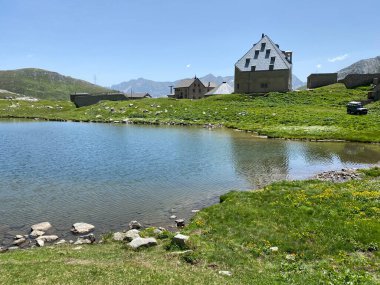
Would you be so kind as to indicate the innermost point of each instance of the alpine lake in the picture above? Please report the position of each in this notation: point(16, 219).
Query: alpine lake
point(110, 174)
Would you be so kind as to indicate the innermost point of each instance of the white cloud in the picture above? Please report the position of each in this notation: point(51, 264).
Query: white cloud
point(319, 66)
point(338, 58)
point(188, 66)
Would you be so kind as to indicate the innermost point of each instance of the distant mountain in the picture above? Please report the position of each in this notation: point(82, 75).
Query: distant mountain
point(371, 65)
point(44, 84)
point(160, 89)
point(297, 83)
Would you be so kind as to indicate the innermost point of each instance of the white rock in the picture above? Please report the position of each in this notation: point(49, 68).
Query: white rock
point(47, 238)
point(132, 234)
point(18, 236)
point(142, 242)
point(82, 228)
point(41, 226)
point(13, 248)
point(157, 231)
point(36, 233)
point(119, 236)
point(88, 239)
point(19, 241)
point(40, 242)
point(180, 240)
point(134, 225)
point(194, 211)
point(180, 222)
point(273, 248)
point(224, 272)
point(77, 248)
point(173, 217)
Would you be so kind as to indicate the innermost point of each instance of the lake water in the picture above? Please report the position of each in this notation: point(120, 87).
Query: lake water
point(108, 175)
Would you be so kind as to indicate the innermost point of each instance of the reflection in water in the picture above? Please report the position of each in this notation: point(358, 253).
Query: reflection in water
point(108, 175)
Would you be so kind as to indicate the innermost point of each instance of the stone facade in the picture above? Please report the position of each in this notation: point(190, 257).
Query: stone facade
point(356, 80)
point(192, 89)
point(316, 80)
point(264, 68)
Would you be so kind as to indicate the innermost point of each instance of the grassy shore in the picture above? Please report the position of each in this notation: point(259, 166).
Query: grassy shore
point(325, 233)
point(315, 114)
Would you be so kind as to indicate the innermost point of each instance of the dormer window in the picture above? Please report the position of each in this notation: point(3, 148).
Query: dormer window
point(256, 54)
point(272, 59)
point(262, 46)
point(267, 53)
point(247, 61)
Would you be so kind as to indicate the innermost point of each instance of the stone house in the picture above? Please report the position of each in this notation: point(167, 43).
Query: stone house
point(192, 88)
point(264, 68)
point(138, 95)
point(316, 80)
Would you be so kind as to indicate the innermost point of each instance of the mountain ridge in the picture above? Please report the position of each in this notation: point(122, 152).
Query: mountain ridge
point(369, 65)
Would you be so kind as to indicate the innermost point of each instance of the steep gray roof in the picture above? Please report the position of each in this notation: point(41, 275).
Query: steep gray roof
point(261, 59)
point(188, 82)
point(138, 95)
point(223, 88)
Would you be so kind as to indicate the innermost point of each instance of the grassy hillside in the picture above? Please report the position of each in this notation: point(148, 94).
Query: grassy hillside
point(44, 84)
point(299, 232)
point(315, 114)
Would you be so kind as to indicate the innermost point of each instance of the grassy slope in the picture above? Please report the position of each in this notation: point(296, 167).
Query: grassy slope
point(44, 84)
point(317, 114)
point(332, 232)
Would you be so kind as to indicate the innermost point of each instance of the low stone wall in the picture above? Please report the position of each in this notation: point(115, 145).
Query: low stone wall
point(355, 80)
point(316, 80)
point(81, 100)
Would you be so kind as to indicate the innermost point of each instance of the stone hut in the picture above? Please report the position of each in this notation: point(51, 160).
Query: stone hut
point(192, 89)
point(264, 68)
point(316, 80)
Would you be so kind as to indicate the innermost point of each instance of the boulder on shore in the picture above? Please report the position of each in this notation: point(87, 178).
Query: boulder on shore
point(135, 225)
point(19, 241)
point(47, 238)
point(36, 233)
point(87, 239)
point(82, 228)
point(44, 226)
point(142, 242)
point(180, 240)
point(180, 222)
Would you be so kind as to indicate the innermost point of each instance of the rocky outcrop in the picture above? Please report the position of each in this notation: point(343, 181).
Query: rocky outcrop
point(135, 225)
point(339, 176)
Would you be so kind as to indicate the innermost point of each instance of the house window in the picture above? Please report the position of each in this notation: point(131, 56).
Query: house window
point(253, 68)
point(238, 86)
point(272, 59)
point(247, 61)
point(193, 90)
point(271, 66)
point(264, 85)
point(267, 53)
point(256, 54)
point(262, 46)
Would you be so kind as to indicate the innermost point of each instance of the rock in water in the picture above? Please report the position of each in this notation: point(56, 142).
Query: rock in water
point(19, 241)
point(41, 226)
point(142, 242)
point(134, 225)
point(82, 228)
point(180, 222)
point(47, 238)
point(40, 242)
point(36, 233)
point(87, 239)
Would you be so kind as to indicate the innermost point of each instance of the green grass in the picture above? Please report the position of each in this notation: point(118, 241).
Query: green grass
point(44, 84)
point(325, 233)
point(317, 114)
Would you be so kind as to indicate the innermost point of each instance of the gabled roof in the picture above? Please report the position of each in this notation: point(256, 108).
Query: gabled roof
point(223, 88)
point(138, 95)
point(261, 59)
point(188, 82)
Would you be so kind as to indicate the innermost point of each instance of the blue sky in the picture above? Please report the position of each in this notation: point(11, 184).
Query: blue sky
point(166, 40)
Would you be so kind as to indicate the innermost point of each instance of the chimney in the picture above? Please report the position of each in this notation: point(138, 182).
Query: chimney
point(289, 56)
point(209, 83)
point(262, 35)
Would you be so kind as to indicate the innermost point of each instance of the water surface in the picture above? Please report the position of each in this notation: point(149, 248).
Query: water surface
point(108, 175)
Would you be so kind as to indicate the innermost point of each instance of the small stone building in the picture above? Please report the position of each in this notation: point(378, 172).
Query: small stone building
point(264, 68)
point(222, 89)
point(192, 89)
point(139, 95)
point(316, 80)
